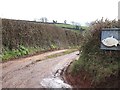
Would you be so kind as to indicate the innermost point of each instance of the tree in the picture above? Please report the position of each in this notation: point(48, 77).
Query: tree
point(77, 27)
point(43, 19)
point(65, 21)
point(54, 21)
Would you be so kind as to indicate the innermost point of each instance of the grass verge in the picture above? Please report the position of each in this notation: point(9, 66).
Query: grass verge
point(23, 51)
point(62, 53)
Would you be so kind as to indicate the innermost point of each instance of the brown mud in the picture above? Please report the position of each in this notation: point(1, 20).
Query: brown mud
point(34, 71)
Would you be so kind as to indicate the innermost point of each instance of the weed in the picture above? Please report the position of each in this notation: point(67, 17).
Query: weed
point(62, 53)
point(15, 53)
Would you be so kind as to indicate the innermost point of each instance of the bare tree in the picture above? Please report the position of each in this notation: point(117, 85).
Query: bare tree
point(65, 21)
point(43, 19)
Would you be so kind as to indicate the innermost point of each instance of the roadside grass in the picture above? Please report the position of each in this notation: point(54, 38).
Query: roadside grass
point(99, 68)
point(23, 51)
point(62, 53)
point(100, 64)
point(9, 54)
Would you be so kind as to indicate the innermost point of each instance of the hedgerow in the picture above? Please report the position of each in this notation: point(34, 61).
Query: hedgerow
point(102, 65)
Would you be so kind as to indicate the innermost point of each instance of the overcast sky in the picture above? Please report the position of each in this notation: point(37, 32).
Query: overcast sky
point(81, 11)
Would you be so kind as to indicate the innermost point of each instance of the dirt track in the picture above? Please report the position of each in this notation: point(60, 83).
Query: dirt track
point(29, 72)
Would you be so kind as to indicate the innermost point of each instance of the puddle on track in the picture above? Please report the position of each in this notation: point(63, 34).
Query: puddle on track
point(54, 83)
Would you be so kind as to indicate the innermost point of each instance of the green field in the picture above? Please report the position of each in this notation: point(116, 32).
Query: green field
point(65, 25)
point(72, 27)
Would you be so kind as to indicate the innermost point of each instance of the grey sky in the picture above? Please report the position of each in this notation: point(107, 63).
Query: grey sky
point(71, 10)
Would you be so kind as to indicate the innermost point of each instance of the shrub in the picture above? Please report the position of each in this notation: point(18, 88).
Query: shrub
point(100, 64)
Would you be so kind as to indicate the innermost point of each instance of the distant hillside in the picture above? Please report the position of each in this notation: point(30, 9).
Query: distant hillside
point(71, 27)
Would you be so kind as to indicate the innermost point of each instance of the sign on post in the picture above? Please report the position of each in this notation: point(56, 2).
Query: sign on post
point(110, 39)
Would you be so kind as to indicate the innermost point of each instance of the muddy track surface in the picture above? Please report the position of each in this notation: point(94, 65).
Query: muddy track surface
point(36, 71)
